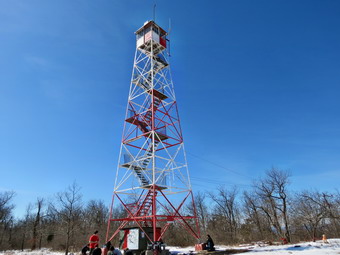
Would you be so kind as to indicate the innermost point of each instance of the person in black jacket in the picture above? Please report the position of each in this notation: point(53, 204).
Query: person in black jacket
point(97, 251)
point(210, 244)
point(85, 249)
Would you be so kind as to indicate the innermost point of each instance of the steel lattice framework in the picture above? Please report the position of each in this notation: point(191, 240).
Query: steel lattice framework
point(152, 180)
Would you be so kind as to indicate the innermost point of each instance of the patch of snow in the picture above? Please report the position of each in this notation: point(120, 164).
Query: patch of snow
point(43, 251)
point(306, 248)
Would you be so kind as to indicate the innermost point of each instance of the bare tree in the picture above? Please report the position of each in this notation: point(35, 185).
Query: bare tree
point(227, 209)
point(273, 200)
point(6, 208)
point(254, 217)
point(24, 225)
point(37, 222)
point(68, 210)
point(201, 211)
point(95, 216)
point(309, 209)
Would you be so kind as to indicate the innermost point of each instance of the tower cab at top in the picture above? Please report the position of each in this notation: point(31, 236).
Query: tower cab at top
point(151, 38)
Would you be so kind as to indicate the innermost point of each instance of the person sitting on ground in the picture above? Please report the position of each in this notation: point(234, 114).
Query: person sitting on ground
point(108, 245)
point(127, 252)
point(114, 251)
point(110, 252)
point(106, 248)
point(210, 244)
point(85, 249)
point(97, 251)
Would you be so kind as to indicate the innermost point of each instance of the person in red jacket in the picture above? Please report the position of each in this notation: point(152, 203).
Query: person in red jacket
point(94, 241)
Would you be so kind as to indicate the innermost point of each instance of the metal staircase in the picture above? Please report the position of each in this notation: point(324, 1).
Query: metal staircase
point(156, 104)
point(149, 153)
point(139, 80)
point(159, 63)
point(138, 173)
point(147, 203)
point(140, 209)
point(144, 82)
point(138, 170)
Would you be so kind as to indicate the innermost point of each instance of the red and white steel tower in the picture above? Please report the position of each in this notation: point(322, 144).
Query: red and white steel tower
point(152, 180)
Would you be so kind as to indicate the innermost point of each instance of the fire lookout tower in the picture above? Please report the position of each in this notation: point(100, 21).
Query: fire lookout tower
point(152, 179)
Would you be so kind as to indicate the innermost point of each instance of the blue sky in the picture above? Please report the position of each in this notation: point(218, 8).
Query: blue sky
point(257, 84)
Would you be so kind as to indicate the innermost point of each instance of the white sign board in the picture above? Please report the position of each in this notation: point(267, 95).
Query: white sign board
point(133, 239)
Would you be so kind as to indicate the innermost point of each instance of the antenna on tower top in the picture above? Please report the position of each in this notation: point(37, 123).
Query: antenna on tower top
point(169, 29)
point(154, 12)
point(168, 39)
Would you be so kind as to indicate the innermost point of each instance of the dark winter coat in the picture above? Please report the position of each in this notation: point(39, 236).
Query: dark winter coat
point(210, 244)
point(85, 249)
point(97, 251)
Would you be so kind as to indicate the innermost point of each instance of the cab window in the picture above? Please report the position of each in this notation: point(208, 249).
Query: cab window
point(140, 34)
point(155, 29)
point(147, 29)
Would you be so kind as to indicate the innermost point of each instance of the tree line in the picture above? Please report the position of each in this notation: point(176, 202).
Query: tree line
point(268, 212)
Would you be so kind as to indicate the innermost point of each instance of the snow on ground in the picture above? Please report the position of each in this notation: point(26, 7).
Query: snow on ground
point(28, 252)
point(308, 248)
